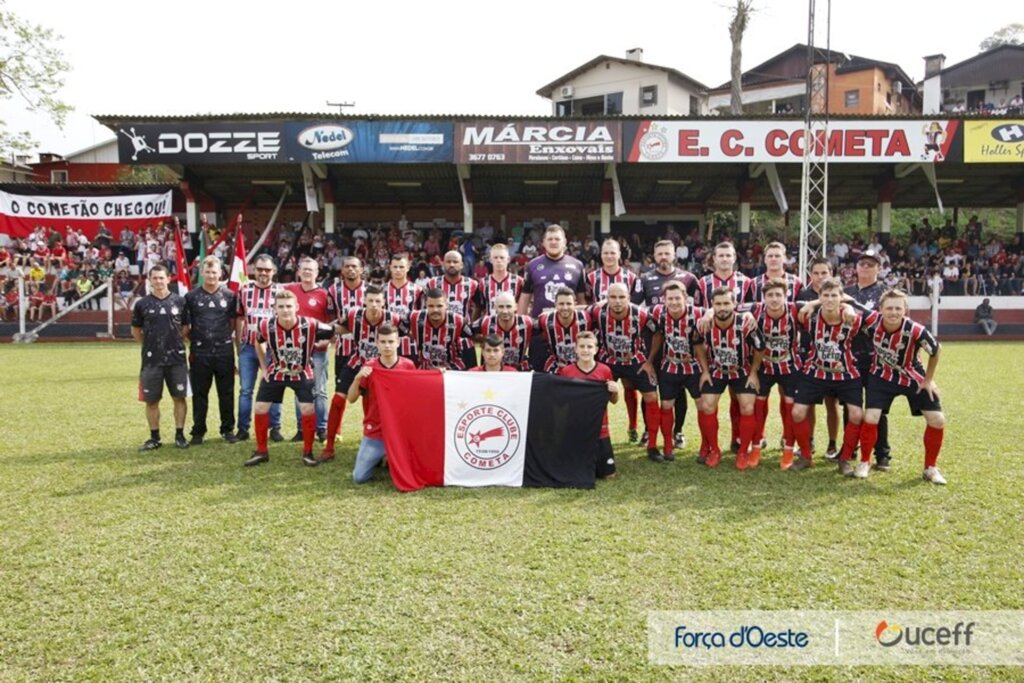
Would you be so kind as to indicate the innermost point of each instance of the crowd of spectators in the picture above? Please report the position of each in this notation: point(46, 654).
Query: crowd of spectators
point(61, 267)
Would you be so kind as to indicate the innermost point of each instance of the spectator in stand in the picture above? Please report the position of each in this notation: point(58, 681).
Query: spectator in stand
point(935, 285)
point(951, 278)
point(125, 288)
point(83, 285)
point(983, 318)
point(11, 300)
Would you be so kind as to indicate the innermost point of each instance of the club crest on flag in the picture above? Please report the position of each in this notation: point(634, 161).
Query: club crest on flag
point(487, 436)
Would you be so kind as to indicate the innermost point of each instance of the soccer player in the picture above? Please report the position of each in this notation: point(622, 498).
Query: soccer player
point(286, 346)
point(648, 292)
point(500, 280)
point(820, 270)
point(830, 367)
point(494, 356)
point(160, 321)
point(560, 329)
point(371, 448)
point(438, 334)
point(896, 371)
point(212, 308)
point(867, 292)
point(619, 326)
point(515, 330)
point(359, 328)
point(402, 295)
point(586, 367)
point(545, 275)
point(728, 357)
point(463, 296)
point(610, 272)
point(778, 323)
point(314, 302)
point(674, 325)
point(775, 269)
point(255, 304)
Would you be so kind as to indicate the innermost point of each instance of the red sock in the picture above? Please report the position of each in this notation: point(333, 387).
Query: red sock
point(709, 431)
point(761, 418)
point(851, 437)
point(734, 419)
point(631, 407)
point(652, 418)
point(308, 432)
point(334, 421)
point(262, 424)
point(868, 439)
point(802, 433)
point(748, 425)
point(932, 445)
point(787, 424)
point(667, 420)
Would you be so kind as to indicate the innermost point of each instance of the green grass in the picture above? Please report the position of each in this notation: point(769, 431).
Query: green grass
point(184, 565)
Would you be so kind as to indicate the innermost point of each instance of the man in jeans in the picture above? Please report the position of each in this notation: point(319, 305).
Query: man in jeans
point(371, 448)
point(983, 318)
point(255, 303)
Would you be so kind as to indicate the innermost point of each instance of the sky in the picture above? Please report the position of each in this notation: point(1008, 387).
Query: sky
point(487, 58)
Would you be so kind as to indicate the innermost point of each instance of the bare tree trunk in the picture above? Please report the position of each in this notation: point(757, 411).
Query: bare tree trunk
point(737, 27)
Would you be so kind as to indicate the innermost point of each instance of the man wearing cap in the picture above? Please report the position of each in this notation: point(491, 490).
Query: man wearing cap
point(867, 291)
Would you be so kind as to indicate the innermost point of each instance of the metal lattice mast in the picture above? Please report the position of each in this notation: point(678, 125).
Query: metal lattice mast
point(814, 180)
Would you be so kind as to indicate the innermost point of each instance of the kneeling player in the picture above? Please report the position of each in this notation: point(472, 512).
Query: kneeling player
point(371, 448)
point(586, 367)
point(728, 357)
point(285, 352)
point(896, 371)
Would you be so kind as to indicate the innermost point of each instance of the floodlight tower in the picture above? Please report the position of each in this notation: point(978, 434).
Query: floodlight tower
point(814, 179)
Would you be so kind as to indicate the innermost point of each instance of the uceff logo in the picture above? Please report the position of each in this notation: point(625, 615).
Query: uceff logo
point(891, 635)
point(745, 636)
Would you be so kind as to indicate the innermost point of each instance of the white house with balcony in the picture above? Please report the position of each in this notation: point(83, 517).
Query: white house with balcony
point(613, 85)
point(989, 82)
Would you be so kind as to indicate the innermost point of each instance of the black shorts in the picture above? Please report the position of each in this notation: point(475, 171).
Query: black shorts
point(671, 385)
point(718, 386)
point(605, 463)
point(273, 392)
point(152, 380)
point(787, 383)
point(880, 395)
point(632, 373)
point(810, 391)
point(343, 377)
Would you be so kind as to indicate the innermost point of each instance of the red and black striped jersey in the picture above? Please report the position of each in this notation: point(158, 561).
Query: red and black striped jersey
point(895, 358)
point(599, 280)
point(340, 299)
point(793, 287)
point(460, 294)
point(490, 289)
point(255, 304)
point(741, 285)
point(781, 340)
point(364, 335)
point(561, 338)
point(402, 300)
point(441, 346)
point(289, 352)
point(620, 342)
point(680, 335)
point(830, 355)
point(730, 350)
point(517, 338)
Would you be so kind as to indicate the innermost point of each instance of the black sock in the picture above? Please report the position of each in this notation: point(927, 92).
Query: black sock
point(179, 433)
point(831, 444)
point(154, 434)
point(680, 417)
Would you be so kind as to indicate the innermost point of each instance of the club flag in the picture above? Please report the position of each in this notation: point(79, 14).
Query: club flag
point(202, 255)
point(181, 269)
point(239, 272)
point(489, 429)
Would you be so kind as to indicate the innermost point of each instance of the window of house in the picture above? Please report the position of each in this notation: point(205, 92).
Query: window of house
point(694, 105)
point(852, 99)
point(648, 95)
point(58, 176)
point(563, 108)
point(613, 103)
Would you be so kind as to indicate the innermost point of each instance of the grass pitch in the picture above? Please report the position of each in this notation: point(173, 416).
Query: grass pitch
point(184, 565)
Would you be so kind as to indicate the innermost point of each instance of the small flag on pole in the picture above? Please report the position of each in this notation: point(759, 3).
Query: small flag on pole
point(184, 284)
point(239, 273)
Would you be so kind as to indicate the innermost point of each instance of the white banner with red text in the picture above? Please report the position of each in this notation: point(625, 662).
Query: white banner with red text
point(20, 214)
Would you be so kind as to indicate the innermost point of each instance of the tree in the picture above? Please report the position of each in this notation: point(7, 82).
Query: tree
point(148, 174)
point(740, 16)
point(1011, 34)
point(32, 68)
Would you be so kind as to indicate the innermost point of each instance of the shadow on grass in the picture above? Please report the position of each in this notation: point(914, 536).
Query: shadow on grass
point(643, 487)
